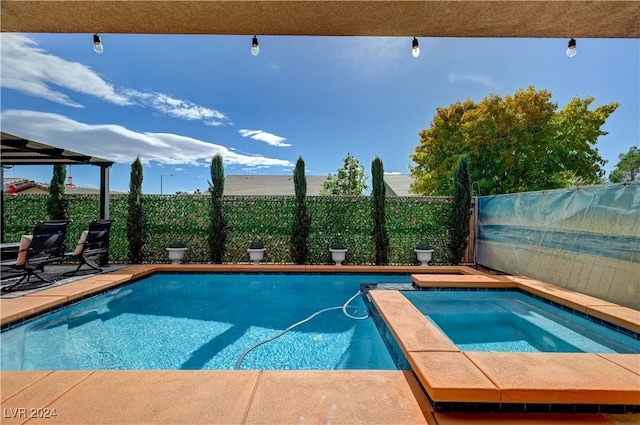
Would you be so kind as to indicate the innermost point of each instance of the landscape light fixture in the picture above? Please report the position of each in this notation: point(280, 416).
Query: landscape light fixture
point(255, 49)
point(571, 48)
point(97, 44)
point(415, 49)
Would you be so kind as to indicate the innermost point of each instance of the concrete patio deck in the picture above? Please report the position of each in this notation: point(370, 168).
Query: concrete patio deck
point(280, 397)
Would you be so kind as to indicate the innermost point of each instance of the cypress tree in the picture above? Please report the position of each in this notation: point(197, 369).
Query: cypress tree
point(379, 214)
point(57, 204)
point(218, 221)
point(461, 211)
point(301, 219)
point(136, 218)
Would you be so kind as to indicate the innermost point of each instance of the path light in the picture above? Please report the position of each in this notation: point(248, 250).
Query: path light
point(255, 49)
point(571, 48)
point(415, 49)
point(97, 44)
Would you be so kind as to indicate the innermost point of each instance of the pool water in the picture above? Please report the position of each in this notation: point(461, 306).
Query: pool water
point(515, 322)
point(206, 321)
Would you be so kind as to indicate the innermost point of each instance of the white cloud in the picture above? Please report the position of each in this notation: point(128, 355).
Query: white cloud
point(455, 77)
point(273, 66)
point(33, 71)
point(177, 108)
point(263, 136)
point(119, 144)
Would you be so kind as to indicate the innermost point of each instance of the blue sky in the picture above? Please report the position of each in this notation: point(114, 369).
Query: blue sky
point(177, 100)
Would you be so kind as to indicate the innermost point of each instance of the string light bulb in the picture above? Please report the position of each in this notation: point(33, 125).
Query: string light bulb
point(415, 49)
point(571, 48)
point(255, 49)
point(97, 44)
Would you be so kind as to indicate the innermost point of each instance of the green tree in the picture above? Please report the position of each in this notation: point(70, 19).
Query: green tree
point(136, 219)
point(628, 168)
point(460, 211)
point(521, 142)
point(378, 213)
point(348, 180)
point(218, 221)
point(57, 204)
point(301, 219)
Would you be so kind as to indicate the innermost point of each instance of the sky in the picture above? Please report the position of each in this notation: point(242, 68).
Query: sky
point(177, 100)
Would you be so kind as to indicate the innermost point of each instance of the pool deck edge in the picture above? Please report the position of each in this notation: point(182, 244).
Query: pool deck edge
point(190, 396)
point(490, 377)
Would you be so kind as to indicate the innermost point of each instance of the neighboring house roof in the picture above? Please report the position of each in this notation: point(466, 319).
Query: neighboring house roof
point(398, 184)
point(27, 186)
point(260, 185)
point(234, 185)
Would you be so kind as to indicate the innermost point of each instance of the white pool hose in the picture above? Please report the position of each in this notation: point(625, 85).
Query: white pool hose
point(343, 308)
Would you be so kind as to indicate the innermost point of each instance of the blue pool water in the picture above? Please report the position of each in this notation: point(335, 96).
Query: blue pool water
point(515, 322)
point(206, 321)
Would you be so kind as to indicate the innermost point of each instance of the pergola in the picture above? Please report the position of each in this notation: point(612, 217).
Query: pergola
point(16, 150)
point(409, 18)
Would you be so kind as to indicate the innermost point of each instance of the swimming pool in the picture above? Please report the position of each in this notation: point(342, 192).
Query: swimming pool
point(510, 321)
point(206, 321)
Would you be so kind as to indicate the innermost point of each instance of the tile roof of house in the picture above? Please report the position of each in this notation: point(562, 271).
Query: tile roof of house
point(23, 184)
point(398, 184)
point(260, 185)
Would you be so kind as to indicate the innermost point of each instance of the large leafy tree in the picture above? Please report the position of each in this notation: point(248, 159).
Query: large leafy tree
point(136, 218)
point(515, 143)
point(57, 204)
point(348, 180)
point(217, 218)
point(301, 219)
point(628, 168)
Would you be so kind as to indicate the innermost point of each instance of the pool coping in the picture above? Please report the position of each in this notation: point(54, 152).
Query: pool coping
point(405, 401)
point(20, 308)
point(493, 381)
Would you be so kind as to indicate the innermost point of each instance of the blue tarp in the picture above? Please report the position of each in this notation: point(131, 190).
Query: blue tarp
point(581, 238)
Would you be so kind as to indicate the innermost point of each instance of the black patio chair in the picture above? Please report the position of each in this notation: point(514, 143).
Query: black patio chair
point(46, 247)
point(93, 244)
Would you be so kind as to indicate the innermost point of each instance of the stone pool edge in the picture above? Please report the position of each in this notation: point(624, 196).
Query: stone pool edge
point(169, 388)
point(543, 382)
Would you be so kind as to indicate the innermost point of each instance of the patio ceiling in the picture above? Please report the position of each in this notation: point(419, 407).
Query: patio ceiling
point(430, 18)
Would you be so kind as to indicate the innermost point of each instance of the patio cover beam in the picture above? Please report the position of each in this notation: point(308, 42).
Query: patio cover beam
point(406, 18)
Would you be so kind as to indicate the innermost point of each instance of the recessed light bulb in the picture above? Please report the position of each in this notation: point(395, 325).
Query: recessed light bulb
point(97, 44)
point(571, 49)
point(415, 49)
point(255, 49)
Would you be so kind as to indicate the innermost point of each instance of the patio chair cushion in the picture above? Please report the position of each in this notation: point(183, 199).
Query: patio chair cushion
point(25, 242)
point(81, 241)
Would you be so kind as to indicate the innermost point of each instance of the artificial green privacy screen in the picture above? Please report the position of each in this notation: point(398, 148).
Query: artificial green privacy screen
point(410, 220)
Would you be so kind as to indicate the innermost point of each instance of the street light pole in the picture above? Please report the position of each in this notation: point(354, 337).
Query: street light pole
point(161, 177)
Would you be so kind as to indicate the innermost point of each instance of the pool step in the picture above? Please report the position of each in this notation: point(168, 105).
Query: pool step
point(94, 347)
point(53, 338)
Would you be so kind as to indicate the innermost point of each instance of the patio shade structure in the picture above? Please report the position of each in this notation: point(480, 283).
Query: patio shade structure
point(16, 150)
point(400, 18)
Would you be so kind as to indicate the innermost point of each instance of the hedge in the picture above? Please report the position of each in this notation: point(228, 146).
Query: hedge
point(348, 220)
